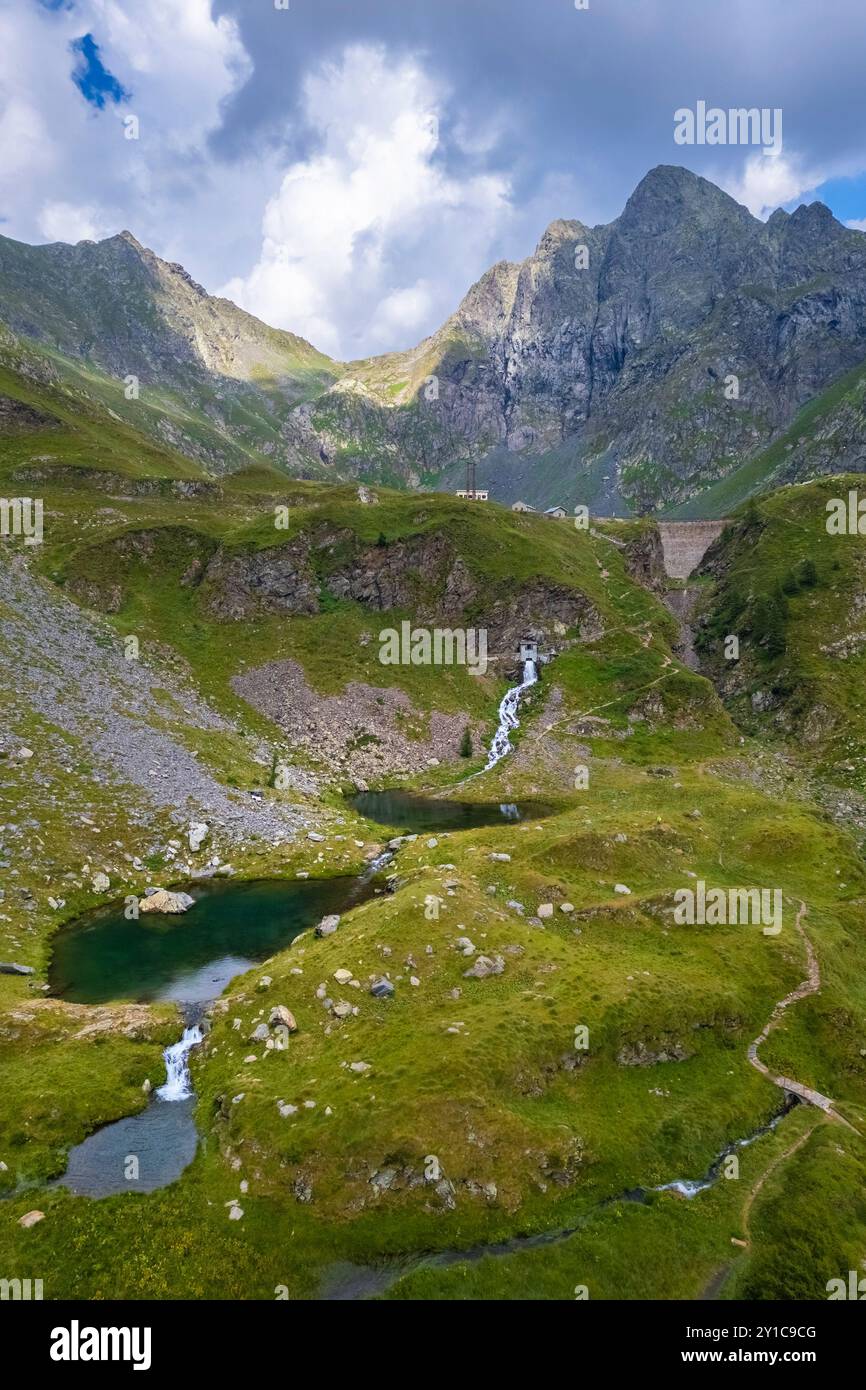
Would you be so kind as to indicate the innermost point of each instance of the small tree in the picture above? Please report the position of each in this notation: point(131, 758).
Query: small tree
point(751, 515)
point(466, 744)
point(790, 583)
point(381, 542)
point(768, 625)
point(807, 574)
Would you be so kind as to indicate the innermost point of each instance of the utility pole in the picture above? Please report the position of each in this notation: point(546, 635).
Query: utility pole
point(470, 479)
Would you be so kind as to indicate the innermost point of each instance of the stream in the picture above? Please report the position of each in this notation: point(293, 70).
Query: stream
point(188, 959)
point(501, 745)
point(344, 1281)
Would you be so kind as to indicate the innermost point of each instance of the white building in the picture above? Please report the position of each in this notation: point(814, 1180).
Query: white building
point(479, 495)
point(555, 512)
point(521, 507)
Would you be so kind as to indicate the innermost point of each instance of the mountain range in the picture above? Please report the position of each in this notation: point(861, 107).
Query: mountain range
point(679, 358)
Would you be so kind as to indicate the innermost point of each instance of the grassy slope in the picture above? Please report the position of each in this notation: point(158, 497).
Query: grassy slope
point(493, 1102)
point(810, 433)
point(60, 299)
point(808, 692)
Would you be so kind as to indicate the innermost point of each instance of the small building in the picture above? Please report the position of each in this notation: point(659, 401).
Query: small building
point(521, 507)
point(479, 495)
point(555, 512)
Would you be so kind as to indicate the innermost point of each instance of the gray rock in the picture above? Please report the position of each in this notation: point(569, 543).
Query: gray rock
point(381, 988)
point(282, 1017)
point(484, 966)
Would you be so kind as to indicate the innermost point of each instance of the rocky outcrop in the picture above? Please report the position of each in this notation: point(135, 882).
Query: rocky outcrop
point(645, 558)
point(620, 342)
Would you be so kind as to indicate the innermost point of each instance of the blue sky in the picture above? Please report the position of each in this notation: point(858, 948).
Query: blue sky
point(347, 168)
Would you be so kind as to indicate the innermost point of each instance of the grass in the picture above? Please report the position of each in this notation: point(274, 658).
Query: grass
point(498, 1101)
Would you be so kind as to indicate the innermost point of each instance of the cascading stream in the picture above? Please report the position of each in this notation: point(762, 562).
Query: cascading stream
point(178, 1083)
point(508, 720)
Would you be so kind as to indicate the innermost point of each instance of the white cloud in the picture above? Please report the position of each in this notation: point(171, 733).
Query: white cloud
point(857, 223)
point(348, 230)
point(770, 181)
point(66, 222)
point(58, 152)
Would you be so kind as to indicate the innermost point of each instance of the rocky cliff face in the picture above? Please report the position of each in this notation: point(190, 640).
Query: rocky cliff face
point(631, 364)
point(621, 343)
point(423, 575)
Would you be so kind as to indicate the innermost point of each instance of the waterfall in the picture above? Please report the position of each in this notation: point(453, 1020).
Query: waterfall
point(508, 720)
point(178, 1085)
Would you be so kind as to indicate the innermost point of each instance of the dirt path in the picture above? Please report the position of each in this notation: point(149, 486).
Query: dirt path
point(719, 1278)
point(811, 985)
point(768, 1172)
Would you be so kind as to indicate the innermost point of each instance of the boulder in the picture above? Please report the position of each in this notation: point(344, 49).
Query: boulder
point(484, 966)
point(197, 835)
point(164, 901)
point(328, 925)
point(381, 988)
point(282, 1017)
point(260, 1033)
point(30, 1218)
point(101, 883)
point(9, 967)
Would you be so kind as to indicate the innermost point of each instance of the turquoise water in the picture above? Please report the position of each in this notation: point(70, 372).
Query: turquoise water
point(192, 957)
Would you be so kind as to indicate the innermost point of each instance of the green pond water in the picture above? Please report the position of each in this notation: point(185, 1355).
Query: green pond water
point(189, 958)
point(406, 811)
point(192, 957)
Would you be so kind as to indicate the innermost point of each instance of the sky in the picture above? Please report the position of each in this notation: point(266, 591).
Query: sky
point(346, 169)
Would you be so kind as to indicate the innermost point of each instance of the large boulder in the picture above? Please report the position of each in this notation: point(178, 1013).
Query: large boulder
point(484, 966)
point(164, 901)
point(280, 1016)
point(197, 835)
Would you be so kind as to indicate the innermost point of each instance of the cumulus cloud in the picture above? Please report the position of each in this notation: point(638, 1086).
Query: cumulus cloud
point(347, 232)
point(66, 222)
point(770, 181)
point(171, 63)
